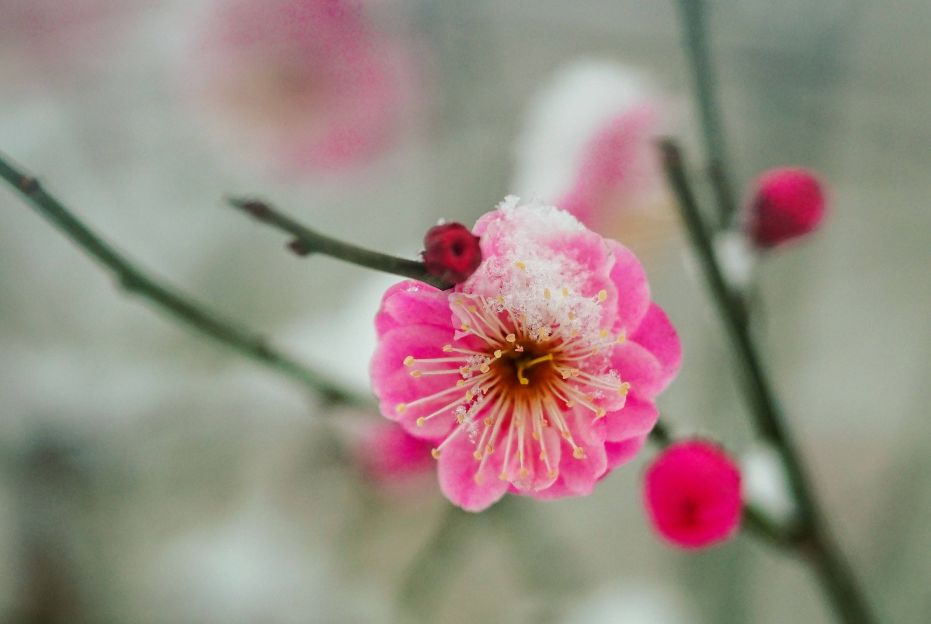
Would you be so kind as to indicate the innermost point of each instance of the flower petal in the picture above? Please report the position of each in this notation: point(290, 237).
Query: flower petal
point(657, 335)
point(537, 475)
point(640, 368)
point(457, 473)
point(622, 452)
point(636, 418)
point(412, 302)
point(633, 298)
point(394, 385)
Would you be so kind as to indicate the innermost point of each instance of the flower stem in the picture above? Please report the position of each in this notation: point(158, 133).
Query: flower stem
point(812, 539)
point(178, 306)
point(695, 26)
point(307, 241)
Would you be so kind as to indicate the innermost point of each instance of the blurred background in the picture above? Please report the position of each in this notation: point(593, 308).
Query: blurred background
point(148, 474)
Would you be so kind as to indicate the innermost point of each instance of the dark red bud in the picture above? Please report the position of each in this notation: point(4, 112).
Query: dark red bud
point(451, 252)
point(788, 203)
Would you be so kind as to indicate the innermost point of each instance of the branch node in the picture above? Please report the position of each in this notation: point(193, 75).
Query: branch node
point(28, 184)
point(300, 248)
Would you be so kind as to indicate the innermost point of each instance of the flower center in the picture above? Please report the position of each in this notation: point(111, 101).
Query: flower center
point(522, 376)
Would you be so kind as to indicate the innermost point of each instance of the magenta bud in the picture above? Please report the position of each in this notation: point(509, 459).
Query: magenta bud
point(787, 203)
point(451, 252)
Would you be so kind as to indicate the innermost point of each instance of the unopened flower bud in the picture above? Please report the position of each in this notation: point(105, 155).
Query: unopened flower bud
point(692, 494)
point(451, 252)
point(787, 203)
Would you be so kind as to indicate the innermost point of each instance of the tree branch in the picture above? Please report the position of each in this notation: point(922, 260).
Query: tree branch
point(177, 305)
point(695, 26)
point(307, 241)
point(813, 539)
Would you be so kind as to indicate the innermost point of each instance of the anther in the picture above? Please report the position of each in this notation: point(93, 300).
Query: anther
point(409, 360)
point(602, 296)
point(511, 338)
point(400, 407)
point(416, 373)
point(435, 452)
point(546, 293)
point(447, 348)
point(623, 389)
point(421, 421)
point(578, 452)
point(520, 265)
point(498, 353)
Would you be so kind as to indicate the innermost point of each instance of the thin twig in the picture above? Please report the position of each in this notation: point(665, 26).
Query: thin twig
point(422, 586)
point(307, 241)
point(813, 539)
point(695, 26)
point(180, 307)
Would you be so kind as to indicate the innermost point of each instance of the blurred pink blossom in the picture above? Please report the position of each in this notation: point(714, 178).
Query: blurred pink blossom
point(692, 494)
point(388, 453)
point(538, 374)
point(52, 33)
point(589, 147)
point(303, 84)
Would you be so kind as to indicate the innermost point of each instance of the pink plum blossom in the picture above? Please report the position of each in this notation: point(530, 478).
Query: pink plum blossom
point(787, 203)
point(538, 374)
point(387, 453)
point(692, 494)
point(302, 83)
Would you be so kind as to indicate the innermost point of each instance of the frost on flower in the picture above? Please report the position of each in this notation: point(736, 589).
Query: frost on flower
point(538, 374)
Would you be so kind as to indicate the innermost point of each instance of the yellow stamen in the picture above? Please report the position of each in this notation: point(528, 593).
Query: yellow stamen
point(521, 367)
